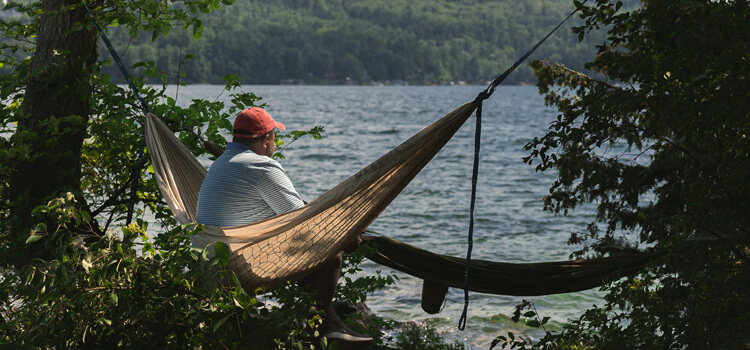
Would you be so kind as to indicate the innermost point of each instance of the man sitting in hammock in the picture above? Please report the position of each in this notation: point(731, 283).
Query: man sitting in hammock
point(245, 185)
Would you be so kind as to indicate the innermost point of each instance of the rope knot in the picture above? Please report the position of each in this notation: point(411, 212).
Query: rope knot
point(483, 95)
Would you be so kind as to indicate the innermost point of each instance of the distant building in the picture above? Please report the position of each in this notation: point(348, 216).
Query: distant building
point(291, 81)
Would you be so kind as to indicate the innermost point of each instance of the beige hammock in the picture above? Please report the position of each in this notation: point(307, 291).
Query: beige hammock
point(287, 246)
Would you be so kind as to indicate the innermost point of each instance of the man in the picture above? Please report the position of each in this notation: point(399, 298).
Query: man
point(245, 185)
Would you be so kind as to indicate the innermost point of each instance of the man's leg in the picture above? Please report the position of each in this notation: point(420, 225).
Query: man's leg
point(324, 280)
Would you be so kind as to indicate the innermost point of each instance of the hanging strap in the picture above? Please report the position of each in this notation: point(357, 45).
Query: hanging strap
point(483, 95)
point(140, 160)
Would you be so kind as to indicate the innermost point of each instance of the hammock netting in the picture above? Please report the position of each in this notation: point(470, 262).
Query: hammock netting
point(288, 246)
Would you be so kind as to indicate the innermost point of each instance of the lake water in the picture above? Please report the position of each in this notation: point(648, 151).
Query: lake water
point(364, 122)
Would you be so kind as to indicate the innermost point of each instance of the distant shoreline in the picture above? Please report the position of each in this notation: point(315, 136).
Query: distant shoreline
point(450, 84)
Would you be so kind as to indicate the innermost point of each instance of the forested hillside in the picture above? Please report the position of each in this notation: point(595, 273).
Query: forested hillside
point(328, 41)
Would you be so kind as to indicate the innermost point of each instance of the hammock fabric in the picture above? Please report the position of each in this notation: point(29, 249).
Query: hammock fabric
point(290, 245)
point(505, 278)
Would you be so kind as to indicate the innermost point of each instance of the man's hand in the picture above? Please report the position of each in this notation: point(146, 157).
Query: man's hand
point(354, 244)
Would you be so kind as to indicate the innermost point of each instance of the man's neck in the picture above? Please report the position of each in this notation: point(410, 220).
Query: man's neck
point(256, 147)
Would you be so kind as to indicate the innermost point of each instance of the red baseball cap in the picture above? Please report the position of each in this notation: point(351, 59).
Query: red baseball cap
point(256, 121)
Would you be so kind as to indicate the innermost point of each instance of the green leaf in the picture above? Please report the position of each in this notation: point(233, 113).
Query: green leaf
point(221, 322)
point(231, 81)
point(33, 238)
point(197, 29)
point(64, 274)
point(497, 341)
point(222, 252)
point(235, 279)
point(533, 323)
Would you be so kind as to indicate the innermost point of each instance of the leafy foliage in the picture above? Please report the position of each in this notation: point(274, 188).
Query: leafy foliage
point(661, 147)
point(112, 141)
point(135, 291)
point(531, 318)
point(423, 337)
point(104, 284)
point(316, 133)
point(353, 290)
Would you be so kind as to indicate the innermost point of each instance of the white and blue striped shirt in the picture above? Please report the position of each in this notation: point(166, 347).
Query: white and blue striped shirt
point(242, 187)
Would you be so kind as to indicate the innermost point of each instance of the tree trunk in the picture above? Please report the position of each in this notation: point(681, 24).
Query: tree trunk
point(56, 107)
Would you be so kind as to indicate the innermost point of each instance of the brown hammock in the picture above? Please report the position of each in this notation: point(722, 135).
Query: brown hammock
point(290, 245)
point(504, 278)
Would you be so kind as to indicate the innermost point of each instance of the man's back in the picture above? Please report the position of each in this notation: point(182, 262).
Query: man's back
point(242, 187)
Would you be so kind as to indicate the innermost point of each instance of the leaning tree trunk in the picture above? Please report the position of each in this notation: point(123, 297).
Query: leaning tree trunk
point(56, 110)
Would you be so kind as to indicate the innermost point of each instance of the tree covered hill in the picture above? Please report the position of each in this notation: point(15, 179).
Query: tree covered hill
point(327, 41)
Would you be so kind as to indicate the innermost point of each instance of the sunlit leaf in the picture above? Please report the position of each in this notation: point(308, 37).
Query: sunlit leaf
point(222, 252)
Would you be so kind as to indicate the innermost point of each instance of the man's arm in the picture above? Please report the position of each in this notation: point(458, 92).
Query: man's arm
point(277, 189)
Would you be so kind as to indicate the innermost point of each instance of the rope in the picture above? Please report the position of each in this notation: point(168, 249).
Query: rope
point(483, 95)
point(491, 88)
point(474, 177)
point(140, 160)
